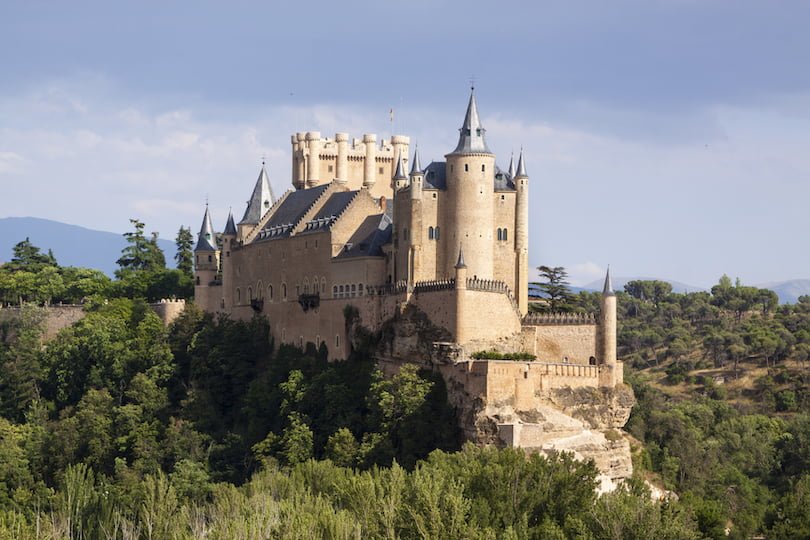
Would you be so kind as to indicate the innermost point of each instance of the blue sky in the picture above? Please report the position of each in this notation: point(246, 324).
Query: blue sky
point(666, 137)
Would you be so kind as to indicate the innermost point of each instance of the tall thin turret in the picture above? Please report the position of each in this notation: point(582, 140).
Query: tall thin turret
point(607, 319)
point(228, 241)
point(470, 173)
point(461, 298)
point(417, 176)
point(521, 180)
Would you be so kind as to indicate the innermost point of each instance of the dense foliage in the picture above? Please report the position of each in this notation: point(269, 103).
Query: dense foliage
point(34, 277)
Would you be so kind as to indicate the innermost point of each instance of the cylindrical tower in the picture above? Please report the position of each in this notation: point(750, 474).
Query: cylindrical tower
point(521, 180)
point(461, 297)
point(299, 180)
point(342, 166)
point(370, 165)
point(608, 323)
point(400, 144)
point(470, 173)
point(314, 162)
point(294, 175)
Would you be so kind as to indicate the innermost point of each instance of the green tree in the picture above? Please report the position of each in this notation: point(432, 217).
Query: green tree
point(184, 256)
point(555, 287)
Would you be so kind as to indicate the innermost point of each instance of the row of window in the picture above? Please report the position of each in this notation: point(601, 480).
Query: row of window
point(317, 285)
point(318, 340)
point(433, 234)
point(347, 291)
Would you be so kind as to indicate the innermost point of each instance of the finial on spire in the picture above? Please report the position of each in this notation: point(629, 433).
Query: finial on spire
point(608, 288)
point(460, 263)
point(471, 134)
point(521, 166)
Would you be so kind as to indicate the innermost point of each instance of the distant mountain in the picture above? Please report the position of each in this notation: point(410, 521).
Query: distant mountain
point(72, 245)
point(788, 291)
point(620, 282)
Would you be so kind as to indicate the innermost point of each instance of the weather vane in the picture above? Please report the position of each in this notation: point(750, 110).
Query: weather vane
point(472, 82)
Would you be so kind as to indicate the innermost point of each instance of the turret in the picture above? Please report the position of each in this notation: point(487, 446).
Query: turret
point(228, 241)
point(607, 320)
point(259, 203)
point(470, 173)
point(342, 166)
point(206, 260)
point(370, 165)
point(300, 149)
point(417, 176)
point(399, 180)
point(521, 180)
point(461, 297)
point(511, 170)
point(314, 158)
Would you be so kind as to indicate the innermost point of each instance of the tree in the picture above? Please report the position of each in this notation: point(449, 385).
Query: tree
point(184, 256)
point(141, 253)
point(555, 287)
point(29, 257)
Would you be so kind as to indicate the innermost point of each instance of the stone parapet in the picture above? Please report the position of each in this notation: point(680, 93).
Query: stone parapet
point(543, 319)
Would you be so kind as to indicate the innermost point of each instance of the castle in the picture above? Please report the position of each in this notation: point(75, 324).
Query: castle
point(448, 241)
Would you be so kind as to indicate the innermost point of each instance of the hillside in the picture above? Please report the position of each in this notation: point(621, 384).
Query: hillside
point(72, 245)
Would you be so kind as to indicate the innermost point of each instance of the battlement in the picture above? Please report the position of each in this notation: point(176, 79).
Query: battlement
point(548, 319)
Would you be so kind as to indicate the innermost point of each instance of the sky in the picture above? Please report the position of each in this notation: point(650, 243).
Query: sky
point(667, 138)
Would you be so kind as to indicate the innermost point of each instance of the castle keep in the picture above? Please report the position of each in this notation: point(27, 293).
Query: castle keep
point(439, 253)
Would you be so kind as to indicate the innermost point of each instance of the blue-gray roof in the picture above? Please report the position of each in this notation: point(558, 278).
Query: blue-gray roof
point(435, 175)
point(290, 212)
point(471, 134)
point(330, 211)
point(206, 240)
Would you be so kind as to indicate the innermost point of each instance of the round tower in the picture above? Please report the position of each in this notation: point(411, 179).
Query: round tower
point(370, 164)
point(417, 176)
point(299, 178)
point(607, 321)
point(314, 161)
point(206, 264)
point(521, 180)
point(470, 173)
point(461, 297)
point(228, 241)
point(342, 166)
point(400, 145)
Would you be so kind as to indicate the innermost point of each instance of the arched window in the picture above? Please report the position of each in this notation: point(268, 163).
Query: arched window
point(323, 285)
point(306, 285)
point(436, 233)
point(354, 289)
point(483, 168)
point(259, 290)
point(197, 259)
point(505, 238)
point(466, 167)
point(198, 280)
point(334, 291)
point(360, 289)
point(238, 296)
point(337, 341)
point(270, 292)
point(430, 233)
point(284, 291)
point(340, 295)
point(250, 293)
point(500, 234)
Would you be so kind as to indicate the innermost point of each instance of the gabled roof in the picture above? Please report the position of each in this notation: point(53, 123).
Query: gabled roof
point(206, 240)
point(369, 238)
point(435, 175)
point(291, 211)
point(471, 134)
point(331, 210)
point(260, 201)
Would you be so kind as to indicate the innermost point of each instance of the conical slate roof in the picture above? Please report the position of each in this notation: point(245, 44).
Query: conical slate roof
point(471, 134)
point(400, 172)
point(230, 228)
point(205, 242)
point(416, 166)
point(260, 201)
point(521, 167)
point(460, 262)
point(511, 166)
point(608, 289)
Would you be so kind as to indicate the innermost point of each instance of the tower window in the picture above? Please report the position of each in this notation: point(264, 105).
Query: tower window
point(381, 170)
point(500, 234)
point(198, 280)
point(334, 291)
point(436, 234)
point(466, 167)
point(238, 296)
point(250, 293)
point(330, 168)
point(505, 236)
point(337, 341)
point(483, 168)
point(430, 233)
point(270, 292)
point(209, 258)
point(284, 291)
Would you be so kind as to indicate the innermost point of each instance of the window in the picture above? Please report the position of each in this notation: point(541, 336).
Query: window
point(334, 291)
point(209, 258)
point(337, 341)
point(306, 285)
point(505, 237)
point(330, 168)
point(354, 289)
point(198, 280)
point(198, 259)
point(284, 291)
point(405, 234)
point(381, 170)
point(434, 195)
point(238, 296)
point(500, 234)
point(466, 167)
point(250, 293)
point(340, 295)
point(270, 292)
point(483, 168)
point(451, 168)
point(360, 289)
point(436, 233)
point(323, 285)
point(430, 233)
point(259, 290)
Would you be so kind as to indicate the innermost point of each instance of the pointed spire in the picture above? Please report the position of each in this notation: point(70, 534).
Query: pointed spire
point(416, 166)
point(460, 263)
point(512, 165)
point(608, 289)
point(399, 174)
point(471, 134)
point(206, 240)
point(261, 199)
point(521, 166)
point(230, 228)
